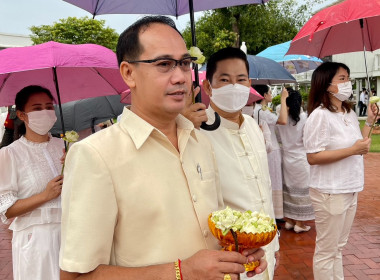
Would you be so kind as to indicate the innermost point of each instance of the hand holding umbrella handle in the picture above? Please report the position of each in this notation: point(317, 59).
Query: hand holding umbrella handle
point(205, 126)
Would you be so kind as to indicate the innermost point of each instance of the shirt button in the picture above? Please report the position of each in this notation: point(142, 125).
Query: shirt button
point(205, 233)
point(194, 198)
point(246, 153)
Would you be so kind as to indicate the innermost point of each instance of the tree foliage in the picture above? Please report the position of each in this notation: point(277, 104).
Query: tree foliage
point(76, 31)
point(260, 26)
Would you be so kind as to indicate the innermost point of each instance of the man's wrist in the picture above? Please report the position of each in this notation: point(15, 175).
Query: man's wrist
point(368, 123)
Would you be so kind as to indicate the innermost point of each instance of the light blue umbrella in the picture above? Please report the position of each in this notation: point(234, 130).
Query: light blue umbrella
point(293, 63)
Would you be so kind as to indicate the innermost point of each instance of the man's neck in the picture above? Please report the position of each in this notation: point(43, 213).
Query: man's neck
point(235, 117)
point(166, 124)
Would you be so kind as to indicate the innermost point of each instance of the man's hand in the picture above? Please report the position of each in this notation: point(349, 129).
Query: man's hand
point(195, 112)
point(277, 257)
point(211, 264)
point(254, 255)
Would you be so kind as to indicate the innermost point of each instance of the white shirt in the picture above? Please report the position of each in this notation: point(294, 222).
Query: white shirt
point(243, 169)
point(26, 168)
point(325, 130)
point(271, 119)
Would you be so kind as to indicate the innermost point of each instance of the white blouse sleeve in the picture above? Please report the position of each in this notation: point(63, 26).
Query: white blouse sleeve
point(316, 132)
point(8, 183)
point(267, 136)
point(269, 117)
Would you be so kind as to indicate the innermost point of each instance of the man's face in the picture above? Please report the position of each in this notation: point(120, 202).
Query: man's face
point(230, 71)
point(156, 94)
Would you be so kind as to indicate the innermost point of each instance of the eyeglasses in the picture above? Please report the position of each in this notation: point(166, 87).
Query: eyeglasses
point(164, 65)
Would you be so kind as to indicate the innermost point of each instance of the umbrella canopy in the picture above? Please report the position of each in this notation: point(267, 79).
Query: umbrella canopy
point(293, 63)
point(265, 71)
point(81, 114)
point(157, 7)
point(70, 72)
point(346, 27)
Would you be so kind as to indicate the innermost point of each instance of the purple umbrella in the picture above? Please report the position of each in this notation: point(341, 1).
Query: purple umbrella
point(162, 7)
point(70, 72)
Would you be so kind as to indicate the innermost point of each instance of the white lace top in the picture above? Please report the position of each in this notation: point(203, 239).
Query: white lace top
point(26, 168)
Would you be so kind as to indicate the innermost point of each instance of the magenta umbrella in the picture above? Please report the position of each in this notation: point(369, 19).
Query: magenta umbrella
point(70, 72)
point(350, 26)
point(163, 7)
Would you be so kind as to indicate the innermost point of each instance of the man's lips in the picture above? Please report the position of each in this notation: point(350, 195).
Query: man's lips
point(180, 92)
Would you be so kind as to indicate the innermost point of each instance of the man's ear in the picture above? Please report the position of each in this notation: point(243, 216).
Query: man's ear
point(126, 72)
point(207, 87)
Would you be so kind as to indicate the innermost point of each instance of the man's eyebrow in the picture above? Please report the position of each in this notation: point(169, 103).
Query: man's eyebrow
point(226, 74)
point(166, 56)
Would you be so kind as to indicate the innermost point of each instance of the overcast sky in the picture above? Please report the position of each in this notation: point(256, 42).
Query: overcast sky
point(16, 16)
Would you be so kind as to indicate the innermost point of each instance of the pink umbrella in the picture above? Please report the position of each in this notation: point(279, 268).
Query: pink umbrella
point(70, 72)
point(350, 26)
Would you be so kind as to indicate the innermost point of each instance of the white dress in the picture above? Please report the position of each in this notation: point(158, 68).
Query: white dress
point(36, 234)
point(274, 158)
point(244, 176)
point(296, 171)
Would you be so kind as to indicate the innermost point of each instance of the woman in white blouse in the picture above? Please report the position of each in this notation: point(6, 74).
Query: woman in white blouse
point(334, 146)
point(263, 114)
point(30, 188)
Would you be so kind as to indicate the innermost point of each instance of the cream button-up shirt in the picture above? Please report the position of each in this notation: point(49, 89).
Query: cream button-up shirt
point(131, 199)
point(244, 175)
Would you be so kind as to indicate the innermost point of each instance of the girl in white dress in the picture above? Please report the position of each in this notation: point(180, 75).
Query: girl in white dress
point(335, 147)
point(261, 113)
point(30, 188)
point(295, 168)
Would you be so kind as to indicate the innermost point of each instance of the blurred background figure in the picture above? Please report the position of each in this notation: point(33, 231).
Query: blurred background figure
point(295, 168)
point(263, 113)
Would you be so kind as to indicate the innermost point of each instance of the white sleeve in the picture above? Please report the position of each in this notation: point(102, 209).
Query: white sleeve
point(316, 132)
point(8, 182)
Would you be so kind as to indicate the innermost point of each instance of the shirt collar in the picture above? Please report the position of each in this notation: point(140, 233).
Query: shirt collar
point(139, 130)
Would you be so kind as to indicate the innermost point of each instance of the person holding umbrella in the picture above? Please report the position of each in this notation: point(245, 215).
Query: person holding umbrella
point(334, 146)
point(30, 188)
point(239, 142)
point(137, 195)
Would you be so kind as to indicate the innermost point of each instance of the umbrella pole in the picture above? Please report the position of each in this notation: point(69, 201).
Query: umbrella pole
point(198, 98)
point(365, 56)
point(59, 102)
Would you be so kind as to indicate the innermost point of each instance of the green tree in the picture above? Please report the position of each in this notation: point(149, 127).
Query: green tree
point(260, 26)
point(74, 30)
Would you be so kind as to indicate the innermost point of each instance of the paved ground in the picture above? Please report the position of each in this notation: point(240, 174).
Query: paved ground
point(361, 255)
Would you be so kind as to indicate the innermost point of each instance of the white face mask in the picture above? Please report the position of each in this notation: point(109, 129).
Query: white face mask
point(41, 121)
point(230, 98)
point(344, 91)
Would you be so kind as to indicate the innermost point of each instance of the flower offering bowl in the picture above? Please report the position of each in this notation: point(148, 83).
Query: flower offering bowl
point(245, 240)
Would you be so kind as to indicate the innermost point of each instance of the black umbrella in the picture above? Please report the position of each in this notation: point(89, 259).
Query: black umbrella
point(81, 114)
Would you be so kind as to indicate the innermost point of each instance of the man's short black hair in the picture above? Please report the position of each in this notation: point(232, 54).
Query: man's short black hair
point(128, 46)
point(224, 54)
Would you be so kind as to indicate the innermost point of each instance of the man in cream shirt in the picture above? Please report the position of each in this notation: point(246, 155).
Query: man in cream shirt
point(238, 143)
point(137, 195)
